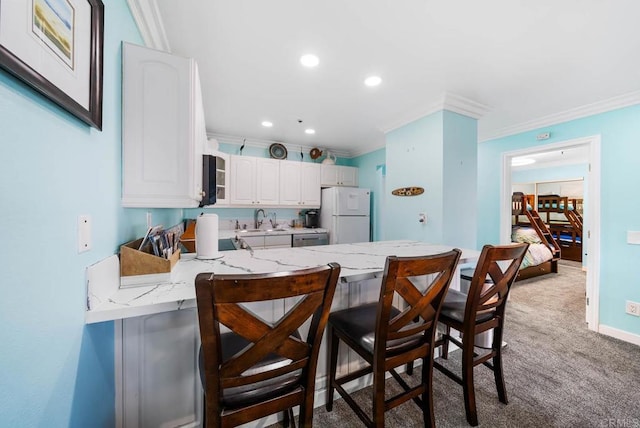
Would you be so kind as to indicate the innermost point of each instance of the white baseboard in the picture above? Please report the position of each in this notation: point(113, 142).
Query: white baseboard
point(619, 334)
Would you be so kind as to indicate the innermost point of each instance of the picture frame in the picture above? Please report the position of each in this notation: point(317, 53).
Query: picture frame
point(56, 48)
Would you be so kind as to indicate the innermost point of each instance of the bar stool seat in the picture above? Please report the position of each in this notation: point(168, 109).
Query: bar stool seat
point(387, 337)
point(359, 323)
point(262, 367)
point(260, 391)
point(454, 305)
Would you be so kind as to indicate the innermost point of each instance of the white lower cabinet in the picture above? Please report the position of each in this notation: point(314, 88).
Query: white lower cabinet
point(268, 241)
point(158, 380)
point(159, 374)
point(255, 242)
point(277, 241)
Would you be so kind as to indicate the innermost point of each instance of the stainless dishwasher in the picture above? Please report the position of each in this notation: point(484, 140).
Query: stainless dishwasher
point(309, 239)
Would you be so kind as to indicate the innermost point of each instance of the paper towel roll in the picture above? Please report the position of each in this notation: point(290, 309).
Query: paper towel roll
point(207, 236)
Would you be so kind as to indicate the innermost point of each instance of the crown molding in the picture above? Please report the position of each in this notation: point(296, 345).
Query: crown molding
point(448, 101)
point(264, 144)
point(464, 106)
point(149, 21)
point(604, 106)
point(367, 150)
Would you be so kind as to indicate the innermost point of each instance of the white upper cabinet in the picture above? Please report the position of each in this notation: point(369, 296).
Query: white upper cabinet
point(163, 130)
point(299, 184)
point(254, 181)
point(243, 180)
point(268, 175)
point(310, 185)
point(336, 175)
point(290, 183)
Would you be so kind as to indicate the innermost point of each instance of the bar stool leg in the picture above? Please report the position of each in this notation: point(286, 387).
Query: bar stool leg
point(333, 340)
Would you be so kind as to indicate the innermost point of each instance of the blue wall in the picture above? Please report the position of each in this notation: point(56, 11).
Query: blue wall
point(415, 158)
point(57, 372)
point(438, 153)
point(460, 140)
point(620, 175)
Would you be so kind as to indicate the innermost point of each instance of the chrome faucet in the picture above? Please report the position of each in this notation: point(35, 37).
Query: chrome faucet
point(257, 223)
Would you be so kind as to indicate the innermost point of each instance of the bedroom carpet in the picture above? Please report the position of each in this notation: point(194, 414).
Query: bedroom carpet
point(558, 373)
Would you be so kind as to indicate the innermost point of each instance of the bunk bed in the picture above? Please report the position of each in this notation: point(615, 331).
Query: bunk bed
point(562, 215)
point(544, 252)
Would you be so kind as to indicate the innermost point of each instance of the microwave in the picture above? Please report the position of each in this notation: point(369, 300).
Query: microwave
point(209, 170)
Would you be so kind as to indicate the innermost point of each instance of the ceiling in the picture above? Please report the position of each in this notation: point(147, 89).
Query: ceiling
point(508, 62)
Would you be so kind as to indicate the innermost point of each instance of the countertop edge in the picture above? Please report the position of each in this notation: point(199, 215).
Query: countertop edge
point(107, 301)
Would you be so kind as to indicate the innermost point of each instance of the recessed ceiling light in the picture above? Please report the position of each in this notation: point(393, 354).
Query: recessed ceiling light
point(309, 131)
point(267, 124)
point(522, 161)
point(372, 81)
point(309, 60)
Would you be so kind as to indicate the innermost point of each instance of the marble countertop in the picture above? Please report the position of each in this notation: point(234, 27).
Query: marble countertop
point(225, 234)
point(106, 301)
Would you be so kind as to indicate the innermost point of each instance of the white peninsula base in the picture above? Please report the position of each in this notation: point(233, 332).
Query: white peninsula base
point(157, 337)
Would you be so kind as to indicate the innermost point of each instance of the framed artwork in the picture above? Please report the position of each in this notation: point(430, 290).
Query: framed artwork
point(55, 46)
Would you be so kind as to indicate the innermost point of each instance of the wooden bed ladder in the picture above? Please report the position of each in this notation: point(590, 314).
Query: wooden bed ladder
point(543, 232)
point(520, 204)
point(575, 219)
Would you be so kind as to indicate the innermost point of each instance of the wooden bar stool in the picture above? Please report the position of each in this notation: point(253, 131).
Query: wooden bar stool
point(261, 368)
point(479, 311)
point(387, 337)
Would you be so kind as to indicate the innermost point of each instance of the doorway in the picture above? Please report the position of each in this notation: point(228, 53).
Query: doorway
point(544, 185)
point(591, 232)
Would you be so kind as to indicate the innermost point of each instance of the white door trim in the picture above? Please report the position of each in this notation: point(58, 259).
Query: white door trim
point(592, 233)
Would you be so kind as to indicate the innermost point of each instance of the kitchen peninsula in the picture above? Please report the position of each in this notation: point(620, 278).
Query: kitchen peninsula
point(157, 338)
point(361, 261)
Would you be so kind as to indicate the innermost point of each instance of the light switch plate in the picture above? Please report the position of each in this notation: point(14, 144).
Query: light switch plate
point(84, 233)
point(633, 237)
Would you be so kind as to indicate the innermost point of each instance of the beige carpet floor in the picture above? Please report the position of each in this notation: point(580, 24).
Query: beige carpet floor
point(558, 373)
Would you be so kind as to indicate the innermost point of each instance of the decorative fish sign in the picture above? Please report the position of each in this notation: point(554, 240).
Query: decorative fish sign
point(408, 191)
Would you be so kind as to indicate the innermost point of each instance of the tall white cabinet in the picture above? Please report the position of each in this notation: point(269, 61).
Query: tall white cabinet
point(163, 129)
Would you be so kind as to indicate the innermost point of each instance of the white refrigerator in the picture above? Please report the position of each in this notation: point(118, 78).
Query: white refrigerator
point(344, 211)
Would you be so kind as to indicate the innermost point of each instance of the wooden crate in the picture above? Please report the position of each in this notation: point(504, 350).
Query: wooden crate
point(134, 262)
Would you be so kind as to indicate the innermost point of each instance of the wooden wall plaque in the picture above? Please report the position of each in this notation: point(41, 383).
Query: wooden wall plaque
point(408, 191)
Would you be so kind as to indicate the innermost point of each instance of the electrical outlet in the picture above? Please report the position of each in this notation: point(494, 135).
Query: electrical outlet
point(633, 308)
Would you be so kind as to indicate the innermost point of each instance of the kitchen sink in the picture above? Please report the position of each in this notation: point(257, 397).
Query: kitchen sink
point(260, 230)
point(228, 245)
